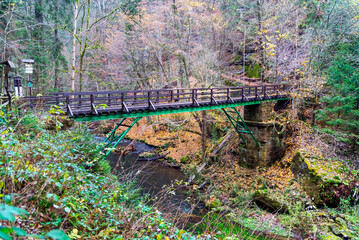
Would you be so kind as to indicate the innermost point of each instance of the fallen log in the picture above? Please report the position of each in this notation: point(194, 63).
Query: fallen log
point(229, 135)
point(152, 158)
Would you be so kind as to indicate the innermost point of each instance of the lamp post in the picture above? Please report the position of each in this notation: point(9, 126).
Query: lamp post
point(29, 68)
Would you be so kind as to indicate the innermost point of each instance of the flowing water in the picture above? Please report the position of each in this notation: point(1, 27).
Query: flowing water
point(164, 186)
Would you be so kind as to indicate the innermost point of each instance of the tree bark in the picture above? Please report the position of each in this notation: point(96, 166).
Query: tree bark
point(204, 133)
point(73, 67)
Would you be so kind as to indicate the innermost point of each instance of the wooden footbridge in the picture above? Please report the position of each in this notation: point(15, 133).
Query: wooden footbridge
point(95, 106)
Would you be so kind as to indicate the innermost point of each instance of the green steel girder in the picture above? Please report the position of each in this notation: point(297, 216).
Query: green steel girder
point(167, 111)
point(239, 125)
point(112, 140)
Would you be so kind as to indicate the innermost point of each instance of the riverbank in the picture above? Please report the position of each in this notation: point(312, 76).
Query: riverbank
point(60, 180)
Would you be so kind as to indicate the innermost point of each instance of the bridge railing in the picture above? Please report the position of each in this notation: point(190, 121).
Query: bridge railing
point(125, 101)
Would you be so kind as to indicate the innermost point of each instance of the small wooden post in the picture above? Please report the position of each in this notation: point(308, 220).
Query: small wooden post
point(242, 93)
point(211, 96)
point(67, 103)
point(122, 101)
point(92, 101)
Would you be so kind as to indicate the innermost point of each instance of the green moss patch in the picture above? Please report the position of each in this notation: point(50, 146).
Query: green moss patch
point(324, 180)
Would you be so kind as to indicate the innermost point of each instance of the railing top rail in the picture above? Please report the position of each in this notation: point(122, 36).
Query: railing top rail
point(159, 90)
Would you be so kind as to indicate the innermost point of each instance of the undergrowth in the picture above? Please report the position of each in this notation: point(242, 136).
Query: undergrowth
point(63, 183)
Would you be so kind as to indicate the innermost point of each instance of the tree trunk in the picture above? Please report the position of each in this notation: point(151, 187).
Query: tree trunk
point(40, 37)
point(73, 68)
point(204, 133)
point(57, 41)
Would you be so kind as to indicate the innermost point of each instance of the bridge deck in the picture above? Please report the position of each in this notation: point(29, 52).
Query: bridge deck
point(92, 106)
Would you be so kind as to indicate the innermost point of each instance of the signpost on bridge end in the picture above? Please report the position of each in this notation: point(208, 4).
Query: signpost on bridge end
point(29, 68)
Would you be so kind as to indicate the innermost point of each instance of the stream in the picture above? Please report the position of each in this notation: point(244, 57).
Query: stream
point(163, 185)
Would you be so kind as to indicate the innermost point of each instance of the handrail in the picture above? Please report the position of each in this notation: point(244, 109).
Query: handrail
point(155, 90)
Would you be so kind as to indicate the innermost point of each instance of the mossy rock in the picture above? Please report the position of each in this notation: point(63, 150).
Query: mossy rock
point(324, 180)
point(334, 227)
point(213, 202)
point(147, 155)
point(267, 200)
point(330, 236)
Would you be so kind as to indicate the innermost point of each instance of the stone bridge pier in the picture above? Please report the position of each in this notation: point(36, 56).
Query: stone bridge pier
point(268, 134)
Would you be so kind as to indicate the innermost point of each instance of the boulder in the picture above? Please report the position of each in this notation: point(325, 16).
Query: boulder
point(269, 201)
point(324, 180)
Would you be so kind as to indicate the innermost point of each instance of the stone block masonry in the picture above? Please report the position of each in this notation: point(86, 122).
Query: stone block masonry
point(267, 134)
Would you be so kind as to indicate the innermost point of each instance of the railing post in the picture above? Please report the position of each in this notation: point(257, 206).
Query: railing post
point(264, 91)
point(149, 99)
point(109, 99)
point(211, 96)
point(158, 97)
point(67, 103)
point(242, 94)
point(92, 101)
point(122, 101)
point(193, 97)
point(171, 96)
point(227, 94)
point(256, 91)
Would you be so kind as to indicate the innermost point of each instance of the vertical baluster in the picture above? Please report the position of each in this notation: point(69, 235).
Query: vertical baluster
point(92, 101)
point(122, 101)
point(264, 90)
point(80, 102)
point(171, 92)
point(211, 96)
point(227, 94)
point(149, 99)
point(242, 94)
point(67, 104)
point(193, 96)
point(255, 92)
point(109, 99)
